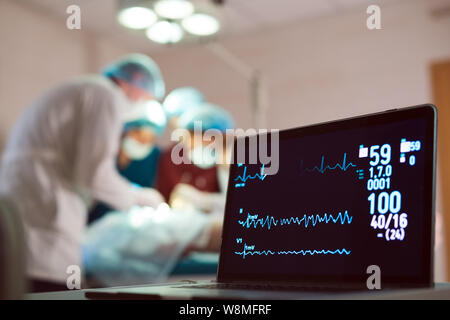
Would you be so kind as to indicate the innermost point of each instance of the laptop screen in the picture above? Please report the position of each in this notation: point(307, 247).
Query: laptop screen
point(347, 195)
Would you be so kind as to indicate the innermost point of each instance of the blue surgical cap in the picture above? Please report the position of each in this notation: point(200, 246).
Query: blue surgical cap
point(138, 70)
point(182, 99)
point(147, 114)
point(211, 117)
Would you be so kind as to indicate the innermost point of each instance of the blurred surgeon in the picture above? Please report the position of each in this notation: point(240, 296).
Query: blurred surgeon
point(138, 156)
point(62, 154)
point(198, 182)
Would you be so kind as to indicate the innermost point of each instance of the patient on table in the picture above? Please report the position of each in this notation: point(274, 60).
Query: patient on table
point(145, 244)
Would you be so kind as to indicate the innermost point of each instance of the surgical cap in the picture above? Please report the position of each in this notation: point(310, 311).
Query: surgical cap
point(138, 70)
point(146, 114)
point(182, 99)
point(211, 117)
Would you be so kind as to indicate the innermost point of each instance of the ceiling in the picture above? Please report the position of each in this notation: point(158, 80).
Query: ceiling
point(237, 16)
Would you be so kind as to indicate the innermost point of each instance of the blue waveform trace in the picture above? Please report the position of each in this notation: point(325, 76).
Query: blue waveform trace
point(322, 169)
point(249, 250)
point(313, 219)
point(244, 177)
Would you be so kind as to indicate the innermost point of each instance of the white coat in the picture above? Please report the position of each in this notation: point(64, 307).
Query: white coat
point(61, 154)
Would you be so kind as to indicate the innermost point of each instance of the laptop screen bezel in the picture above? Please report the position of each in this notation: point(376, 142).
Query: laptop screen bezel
point(427, 112)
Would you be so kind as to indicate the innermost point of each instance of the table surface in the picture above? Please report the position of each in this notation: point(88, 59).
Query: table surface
point(440, 291)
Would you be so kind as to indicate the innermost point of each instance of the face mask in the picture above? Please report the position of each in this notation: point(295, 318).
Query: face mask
point(136, 150)
point(203, 157)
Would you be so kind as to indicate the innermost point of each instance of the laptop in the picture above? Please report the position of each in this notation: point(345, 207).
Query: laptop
point(349, 208)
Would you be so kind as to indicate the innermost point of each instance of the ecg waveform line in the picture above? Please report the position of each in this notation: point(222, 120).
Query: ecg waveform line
point(244, 177)
point(313, 219)
point(322, 169)
point(248, 250)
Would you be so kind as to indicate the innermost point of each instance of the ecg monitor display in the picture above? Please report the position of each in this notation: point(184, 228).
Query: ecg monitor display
point(347, 195)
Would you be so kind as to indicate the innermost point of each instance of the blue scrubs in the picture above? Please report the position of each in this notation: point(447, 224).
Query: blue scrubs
point(141, 172)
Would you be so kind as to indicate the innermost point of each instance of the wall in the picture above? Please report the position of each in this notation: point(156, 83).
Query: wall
point(37, 51)
point(324, 68)
point(316, 70)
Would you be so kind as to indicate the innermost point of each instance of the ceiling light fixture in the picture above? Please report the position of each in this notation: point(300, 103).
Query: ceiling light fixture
point(174, 9)
point(201, 24)
point(136, 17)
point(165, 32)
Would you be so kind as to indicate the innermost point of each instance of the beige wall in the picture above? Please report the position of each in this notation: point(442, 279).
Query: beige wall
point(316, 70)
point(37, 51)
point(325, 68)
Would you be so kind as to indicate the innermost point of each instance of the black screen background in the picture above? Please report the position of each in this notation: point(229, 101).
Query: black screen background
point(291, 193)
